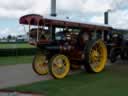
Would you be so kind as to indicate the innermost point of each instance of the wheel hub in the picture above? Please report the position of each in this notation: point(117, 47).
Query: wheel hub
point(95, 56)
point(60, 65)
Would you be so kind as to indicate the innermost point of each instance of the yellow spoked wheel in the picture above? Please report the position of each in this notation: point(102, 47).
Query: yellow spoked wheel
point(59, 66)
point(40, 64)
point(96, 56)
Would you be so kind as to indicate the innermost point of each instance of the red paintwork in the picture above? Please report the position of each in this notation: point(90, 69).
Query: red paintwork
point(34, 19)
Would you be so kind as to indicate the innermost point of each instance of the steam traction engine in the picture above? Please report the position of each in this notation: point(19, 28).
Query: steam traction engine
point(119, 45)
point(63, 44)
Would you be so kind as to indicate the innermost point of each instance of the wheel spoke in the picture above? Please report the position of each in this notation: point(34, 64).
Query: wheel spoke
point(97, 57)
point(61, 68)
point(40, 64)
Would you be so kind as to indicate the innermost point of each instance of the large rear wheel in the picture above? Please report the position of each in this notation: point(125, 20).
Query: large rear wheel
point(59, 66)
point(96, 56)
point(40, 63)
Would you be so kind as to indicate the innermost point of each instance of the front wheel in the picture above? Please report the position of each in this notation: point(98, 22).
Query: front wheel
point(59, 66)
point(95, 56)
point(40, 63)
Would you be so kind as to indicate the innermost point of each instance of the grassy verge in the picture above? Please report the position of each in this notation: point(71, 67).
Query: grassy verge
point(12, 60)
point(112, 82)
point(20, 45)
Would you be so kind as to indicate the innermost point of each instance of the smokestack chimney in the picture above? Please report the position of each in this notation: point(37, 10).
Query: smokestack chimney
point(106, 17)
point(53, 7)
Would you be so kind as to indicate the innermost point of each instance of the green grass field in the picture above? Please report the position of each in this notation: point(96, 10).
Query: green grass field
point(112, 82)
point(12, 60)
point(18, 45)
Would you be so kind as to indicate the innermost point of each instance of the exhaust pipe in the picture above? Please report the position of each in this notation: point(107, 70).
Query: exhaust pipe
point(53, 8)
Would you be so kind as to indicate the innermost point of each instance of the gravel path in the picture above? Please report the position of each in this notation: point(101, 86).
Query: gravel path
point(14, 75)
point(20, 74)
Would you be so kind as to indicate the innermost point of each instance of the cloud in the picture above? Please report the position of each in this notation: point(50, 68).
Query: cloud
point(85, 10)
point(5, 13)
point(120, 4)
point(69, 6)
point(16, 5)
point(97, 19)
point(15, 9)
point(117, 19)
point(95, 6)
point(4, 32)
point(40, 7)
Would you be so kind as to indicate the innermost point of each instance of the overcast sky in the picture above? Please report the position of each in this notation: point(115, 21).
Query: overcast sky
point(85, 10)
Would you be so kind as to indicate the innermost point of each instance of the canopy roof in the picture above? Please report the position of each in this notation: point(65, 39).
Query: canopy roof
point(34, 19)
